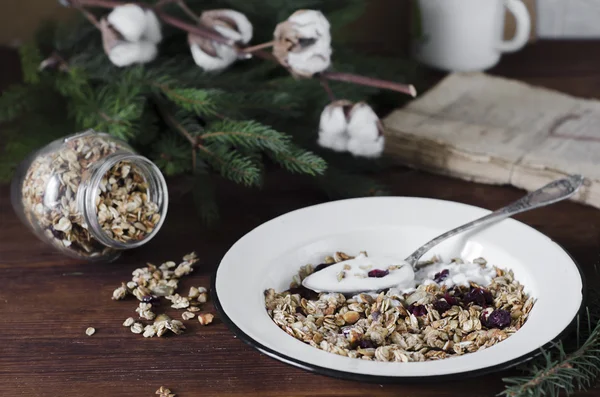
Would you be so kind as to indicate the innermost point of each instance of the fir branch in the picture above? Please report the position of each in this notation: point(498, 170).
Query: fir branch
point(171, 155)
point(231, 164)
point(300, 161)
point(31, 58)
point(17, 100)
point(74, 84)
point(170, 119)
point(199, 101)
point(247, 134)
point(560, 370)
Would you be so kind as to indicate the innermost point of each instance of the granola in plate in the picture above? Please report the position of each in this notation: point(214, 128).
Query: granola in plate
point(433, 321)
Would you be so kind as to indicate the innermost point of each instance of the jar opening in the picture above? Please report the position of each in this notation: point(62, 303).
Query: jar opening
point(125, 202)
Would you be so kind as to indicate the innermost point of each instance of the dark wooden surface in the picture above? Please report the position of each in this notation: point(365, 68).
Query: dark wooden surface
point(47, 301)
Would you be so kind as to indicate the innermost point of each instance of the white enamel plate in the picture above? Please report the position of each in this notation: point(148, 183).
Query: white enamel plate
point(271, 254)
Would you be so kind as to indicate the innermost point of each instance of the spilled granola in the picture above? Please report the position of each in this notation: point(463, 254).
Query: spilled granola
point(430, 322)
point(151, 283)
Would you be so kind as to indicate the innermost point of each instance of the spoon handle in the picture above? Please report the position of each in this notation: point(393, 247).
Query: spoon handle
point(551, 193)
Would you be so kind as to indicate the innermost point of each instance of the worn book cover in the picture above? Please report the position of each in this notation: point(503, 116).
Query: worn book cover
point(495, 130)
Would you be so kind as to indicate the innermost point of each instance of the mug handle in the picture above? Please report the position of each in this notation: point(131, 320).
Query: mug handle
point(523, 28)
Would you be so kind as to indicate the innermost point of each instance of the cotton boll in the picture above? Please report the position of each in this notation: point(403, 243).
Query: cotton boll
point(129, 20)
point(229, 23)
point(362, 148)
point(311, 23)
point(225, 57)
point(312, 61)
point(303, 43)
point(152, 31)
point(365, 132)
point(333, 125)
point(125, 53)
point(211, 55)
point(364, 123)
point(339, 143)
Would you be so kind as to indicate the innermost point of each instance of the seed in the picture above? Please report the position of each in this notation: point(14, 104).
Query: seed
point(129, 322)
point(90, 331)
point(351, 317)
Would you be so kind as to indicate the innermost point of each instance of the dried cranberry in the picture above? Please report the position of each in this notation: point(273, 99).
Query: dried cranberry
point(452, 301)
point(457, 293)
point(322, 266)
point(442, 306)
point(150, 299)
point(378, 273)
point(498, 319)
point(366, 344)
point(417, 310)
point(441, 276)
point(304, 292)
point(479, 296)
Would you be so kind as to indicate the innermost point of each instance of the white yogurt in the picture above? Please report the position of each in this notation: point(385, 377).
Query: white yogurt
point(459, 274)
point(401, 278)
point(355, 275)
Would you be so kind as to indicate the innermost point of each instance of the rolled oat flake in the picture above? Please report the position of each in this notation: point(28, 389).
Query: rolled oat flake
point(90, 195)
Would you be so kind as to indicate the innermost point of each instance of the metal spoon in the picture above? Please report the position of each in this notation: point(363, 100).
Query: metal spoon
point(551, 193)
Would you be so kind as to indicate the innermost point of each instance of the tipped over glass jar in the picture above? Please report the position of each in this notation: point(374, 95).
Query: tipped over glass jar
point(90, 195)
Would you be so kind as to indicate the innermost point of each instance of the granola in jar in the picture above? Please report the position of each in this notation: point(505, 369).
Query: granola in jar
point(90, 195)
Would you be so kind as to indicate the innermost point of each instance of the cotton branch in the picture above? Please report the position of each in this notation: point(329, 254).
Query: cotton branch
point(166, 18)
point(327, 89)
point(257, 50)
point(371, 82)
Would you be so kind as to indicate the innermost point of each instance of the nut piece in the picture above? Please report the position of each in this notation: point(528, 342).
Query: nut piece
point(205, 318)
point(164, 392)
point(187, 315)
point(351, 317)
point(203, 297)
point(90, 331)
point(193, 293)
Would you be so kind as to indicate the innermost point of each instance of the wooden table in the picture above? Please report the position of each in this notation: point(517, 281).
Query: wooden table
point(47, 301)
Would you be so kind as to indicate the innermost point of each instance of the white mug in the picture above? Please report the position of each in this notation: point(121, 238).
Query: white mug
point(467, 35)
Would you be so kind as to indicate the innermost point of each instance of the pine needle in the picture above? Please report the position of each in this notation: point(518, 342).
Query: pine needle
point(560, 369)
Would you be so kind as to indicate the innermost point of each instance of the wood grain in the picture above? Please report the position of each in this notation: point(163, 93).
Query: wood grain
point(47, 301)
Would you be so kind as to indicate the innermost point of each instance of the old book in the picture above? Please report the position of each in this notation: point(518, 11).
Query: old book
point(499, 131)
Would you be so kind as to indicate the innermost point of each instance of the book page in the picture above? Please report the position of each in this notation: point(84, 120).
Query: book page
point(507, 120)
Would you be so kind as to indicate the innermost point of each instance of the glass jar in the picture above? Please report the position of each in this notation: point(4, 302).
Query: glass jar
point(90, 195)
